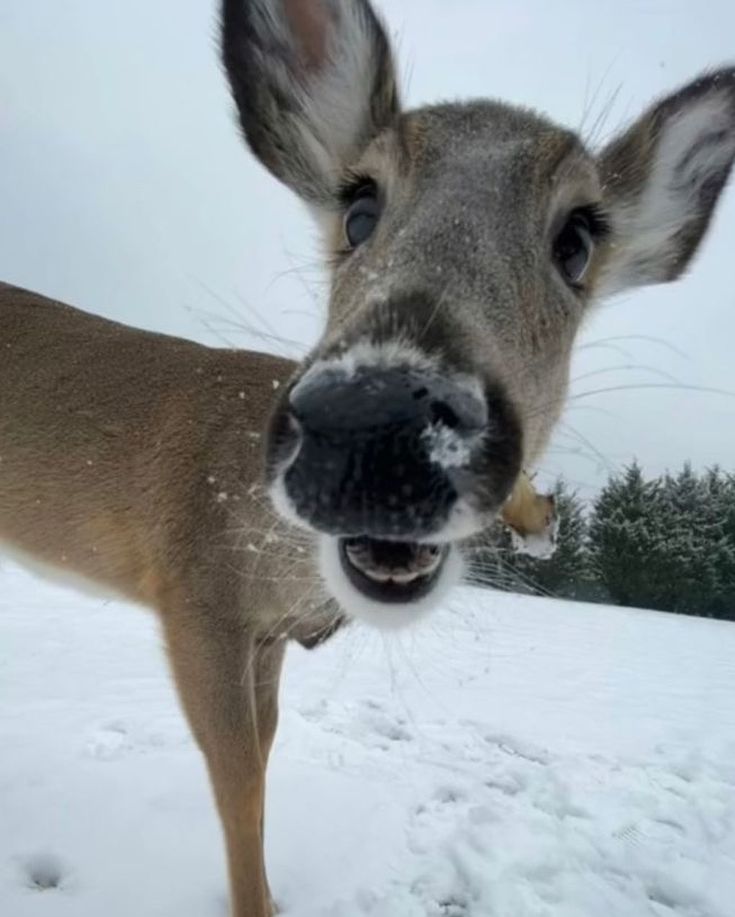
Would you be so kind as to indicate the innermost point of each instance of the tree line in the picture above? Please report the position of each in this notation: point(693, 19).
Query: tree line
point(666, 543)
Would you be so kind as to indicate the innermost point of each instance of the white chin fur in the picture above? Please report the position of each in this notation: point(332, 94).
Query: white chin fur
point(382, 615)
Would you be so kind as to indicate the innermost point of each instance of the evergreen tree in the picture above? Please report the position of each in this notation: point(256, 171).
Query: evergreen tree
point(701, 552)
point(686, 572)
point(627, 539)
point(719, 523)
point(666, 544)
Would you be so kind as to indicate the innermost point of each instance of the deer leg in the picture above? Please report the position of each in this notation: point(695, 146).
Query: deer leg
point(217, 666)
point(267, 676)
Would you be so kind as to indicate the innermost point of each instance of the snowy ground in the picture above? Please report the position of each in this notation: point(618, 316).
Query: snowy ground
point(512, 758)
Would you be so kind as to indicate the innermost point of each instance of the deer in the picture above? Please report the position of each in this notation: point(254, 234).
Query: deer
point(250, 500)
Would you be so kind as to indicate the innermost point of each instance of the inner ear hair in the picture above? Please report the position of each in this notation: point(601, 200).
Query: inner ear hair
point(663, 177)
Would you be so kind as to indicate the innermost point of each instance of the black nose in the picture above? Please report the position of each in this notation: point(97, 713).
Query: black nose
point(376, 400)
point(382, 452)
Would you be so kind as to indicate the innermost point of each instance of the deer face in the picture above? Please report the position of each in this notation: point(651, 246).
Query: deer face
point(466, 242)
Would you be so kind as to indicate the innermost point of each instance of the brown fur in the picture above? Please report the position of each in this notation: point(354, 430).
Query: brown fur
point(528, 512)
point(133, 460)
point(117, 447)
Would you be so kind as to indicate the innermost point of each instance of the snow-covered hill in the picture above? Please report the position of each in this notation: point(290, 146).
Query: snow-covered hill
point(511, 758)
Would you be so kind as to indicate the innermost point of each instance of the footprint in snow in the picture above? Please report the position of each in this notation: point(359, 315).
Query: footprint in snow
point(43, 872)
point(438, 900)
point(438, 816)
point(109, 743)
point(115, 740)
point(387, 727)
point(315, 713)
point(647, 831)
point(369, 723)
point(450, 795)
point(515, 748)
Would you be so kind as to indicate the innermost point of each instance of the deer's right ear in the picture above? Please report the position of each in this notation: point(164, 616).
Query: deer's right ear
point(313, 81)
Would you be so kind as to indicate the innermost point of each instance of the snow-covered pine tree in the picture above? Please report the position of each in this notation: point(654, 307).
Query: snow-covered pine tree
point(667, 544)
point(719, 523)
point(685, 569)
point(627, 540)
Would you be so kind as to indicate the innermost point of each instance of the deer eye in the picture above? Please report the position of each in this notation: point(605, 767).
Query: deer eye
point(362, 215)
point(574, 245)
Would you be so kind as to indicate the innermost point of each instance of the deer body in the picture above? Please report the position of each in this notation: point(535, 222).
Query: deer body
point(128, 456)
point(131, 460)
point(466, 244)
point(141, 470)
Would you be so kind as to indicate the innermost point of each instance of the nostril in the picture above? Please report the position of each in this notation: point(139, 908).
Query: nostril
point(292, 425)
point(294, 432)
point(457, 408)
point(442, 413)
point(285, 437)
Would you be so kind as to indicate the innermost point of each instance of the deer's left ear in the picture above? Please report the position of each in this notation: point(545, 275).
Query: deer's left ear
point(662, 179)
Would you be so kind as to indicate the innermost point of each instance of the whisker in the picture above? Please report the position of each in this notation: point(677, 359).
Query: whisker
point(626, 367)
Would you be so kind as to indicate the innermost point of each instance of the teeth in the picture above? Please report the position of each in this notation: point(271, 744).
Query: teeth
point(426, 560)
point(428, 557)
point(392, 576)
point(405, 577)
point(378, 576)
point(359, 556)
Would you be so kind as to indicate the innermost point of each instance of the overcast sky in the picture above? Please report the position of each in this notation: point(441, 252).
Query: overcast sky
point(125, 190)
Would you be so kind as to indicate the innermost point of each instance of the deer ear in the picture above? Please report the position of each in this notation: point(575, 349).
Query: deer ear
point(662, 179)
point(313, 81)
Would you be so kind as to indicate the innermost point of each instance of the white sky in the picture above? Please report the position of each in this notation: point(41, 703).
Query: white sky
point(125, 190)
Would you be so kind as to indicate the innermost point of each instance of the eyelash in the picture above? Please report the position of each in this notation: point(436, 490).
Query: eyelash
point(354, 185)
point(597, 220)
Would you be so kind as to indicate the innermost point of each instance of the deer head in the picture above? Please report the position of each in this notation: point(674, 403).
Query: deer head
point(466, 244)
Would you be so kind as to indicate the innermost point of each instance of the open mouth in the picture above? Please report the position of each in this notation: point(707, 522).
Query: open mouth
point(391, 571)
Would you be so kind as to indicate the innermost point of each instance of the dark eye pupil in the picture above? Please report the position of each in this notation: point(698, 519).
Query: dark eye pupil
point(361, 219)
point(573, 248)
